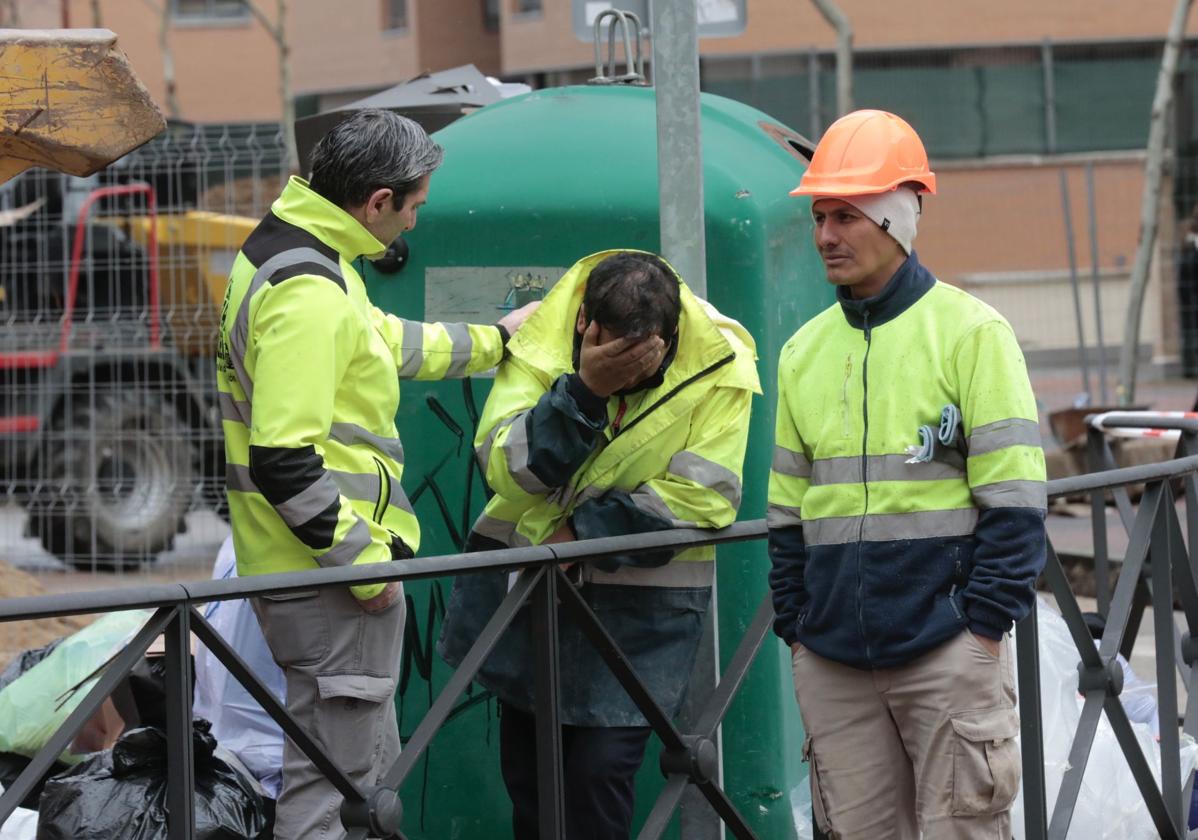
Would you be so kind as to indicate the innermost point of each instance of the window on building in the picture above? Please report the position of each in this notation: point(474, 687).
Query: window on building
point(208, 9)
point(395, 14)
point(969, 102)
point(527, 6)
point(491, 15)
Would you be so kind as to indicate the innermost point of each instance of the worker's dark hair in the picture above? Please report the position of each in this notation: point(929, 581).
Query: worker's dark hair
point(371, 150)
point(634, 295)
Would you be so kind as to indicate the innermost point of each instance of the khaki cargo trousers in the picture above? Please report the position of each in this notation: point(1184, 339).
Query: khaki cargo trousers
point(341, 667)
point(929, 746)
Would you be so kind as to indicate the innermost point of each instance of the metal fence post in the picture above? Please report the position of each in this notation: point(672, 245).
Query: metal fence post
point(1162, 559)
point(550, 782)
point(1095, 443)
point(180, 766)
point(1031, 727)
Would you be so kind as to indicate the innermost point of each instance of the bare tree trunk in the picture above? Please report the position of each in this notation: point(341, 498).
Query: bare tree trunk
point(1150, 203)
point(168, 61)
point(278, 32)
point(10, 14)
point(844, 53)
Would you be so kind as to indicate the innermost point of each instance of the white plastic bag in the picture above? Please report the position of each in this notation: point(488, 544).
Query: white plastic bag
point(22, 825)
point(1109, 805)
point(800, 806)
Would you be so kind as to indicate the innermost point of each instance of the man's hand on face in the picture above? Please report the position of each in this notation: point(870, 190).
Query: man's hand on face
point(619, 363)
point(514, 319)
point(383, 600)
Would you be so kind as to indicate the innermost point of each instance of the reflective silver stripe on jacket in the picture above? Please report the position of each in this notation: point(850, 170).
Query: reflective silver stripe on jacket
point(233, 410)
point(461, 348)
point(411, 348)
point(648, 500)
point(484, 450)
point(346, 552)
point(881, 527)
point(309, 502)
point(783, 516)
point(789, 462)
point(677, 574)
point(1017, 493)
point(1003, 433)
point(707, 474)
point(237, 477)
point(515, 450)
point(239, 334)
point(492, 528)
point(351, 434)
point(847, 470)
point(364, 487)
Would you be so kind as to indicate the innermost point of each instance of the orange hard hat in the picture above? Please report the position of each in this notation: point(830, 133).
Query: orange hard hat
point(867, 152)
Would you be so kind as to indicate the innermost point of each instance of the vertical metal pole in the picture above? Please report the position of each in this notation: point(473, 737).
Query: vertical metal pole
point(680, 168)
point(550, 784)
point(1067, 214)
point(180, 767)
point(679, 139)
point(697, 819)
point(1102, 560)
point(1161, 555)
point(813, 94)
point(1092, 212)
point(1031, 725)
point(1050, 98)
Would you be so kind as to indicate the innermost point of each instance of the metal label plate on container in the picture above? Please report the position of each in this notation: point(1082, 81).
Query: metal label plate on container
point(483, 294)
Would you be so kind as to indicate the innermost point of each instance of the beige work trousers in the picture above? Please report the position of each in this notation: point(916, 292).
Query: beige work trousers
point(926, 747)
point(342, 667)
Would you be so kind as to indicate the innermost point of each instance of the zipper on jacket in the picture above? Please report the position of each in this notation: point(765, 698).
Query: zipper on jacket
point(864, 480)
point(673, 392)
point(380, 506)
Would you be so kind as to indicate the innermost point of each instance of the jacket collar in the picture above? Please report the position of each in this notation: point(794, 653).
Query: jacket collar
point(911, 282)
point(705, 337)
point(305, 208)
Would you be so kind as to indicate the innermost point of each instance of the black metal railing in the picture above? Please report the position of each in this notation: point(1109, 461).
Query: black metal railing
point(687, 757)
point(1156, 567)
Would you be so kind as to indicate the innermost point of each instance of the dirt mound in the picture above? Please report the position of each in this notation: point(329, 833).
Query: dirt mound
point(18, 636)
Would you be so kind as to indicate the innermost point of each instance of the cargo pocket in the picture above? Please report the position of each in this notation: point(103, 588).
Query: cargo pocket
point(818, 808)
point(350, 717)
point(296, 627)
point(986, 765)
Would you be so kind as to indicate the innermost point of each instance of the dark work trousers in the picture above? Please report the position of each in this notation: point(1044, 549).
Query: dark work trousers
point(598, 768)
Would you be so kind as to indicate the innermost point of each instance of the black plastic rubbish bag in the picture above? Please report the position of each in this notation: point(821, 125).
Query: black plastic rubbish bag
point(121, 793)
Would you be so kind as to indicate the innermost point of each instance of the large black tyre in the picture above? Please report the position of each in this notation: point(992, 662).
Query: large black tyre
point(115, 478)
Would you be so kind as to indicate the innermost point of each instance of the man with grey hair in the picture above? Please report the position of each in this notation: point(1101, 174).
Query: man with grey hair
point(307, 375)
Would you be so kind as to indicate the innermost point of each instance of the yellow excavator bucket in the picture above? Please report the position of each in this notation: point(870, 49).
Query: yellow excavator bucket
point(69, 101)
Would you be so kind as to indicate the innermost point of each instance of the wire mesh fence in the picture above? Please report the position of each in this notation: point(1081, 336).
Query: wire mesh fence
point(111, 456)
point(1039, 150)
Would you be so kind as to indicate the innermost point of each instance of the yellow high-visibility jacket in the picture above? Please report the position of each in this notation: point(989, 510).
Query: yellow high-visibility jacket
point(877, 559)
point(668, 455)
point(308, 374)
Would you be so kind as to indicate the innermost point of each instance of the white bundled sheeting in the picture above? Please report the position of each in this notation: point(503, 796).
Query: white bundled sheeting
point(1109, 806)
point(22, 825)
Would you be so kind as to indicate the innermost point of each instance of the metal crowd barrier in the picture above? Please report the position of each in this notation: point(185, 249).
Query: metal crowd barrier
point(1156, 567)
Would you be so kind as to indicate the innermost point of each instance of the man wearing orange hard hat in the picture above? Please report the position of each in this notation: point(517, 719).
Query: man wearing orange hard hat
point(906, 515)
